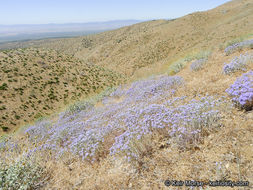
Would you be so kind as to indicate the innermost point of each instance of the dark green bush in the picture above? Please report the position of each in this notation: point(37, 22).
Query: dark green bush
point(4, 128)
point(4, 86)
point(2, 107)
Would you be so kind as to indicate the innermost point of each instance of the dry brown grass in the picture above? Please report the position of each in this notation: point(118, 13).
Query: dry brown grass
point(230, 146)
point(211, 79)
point(149, 48)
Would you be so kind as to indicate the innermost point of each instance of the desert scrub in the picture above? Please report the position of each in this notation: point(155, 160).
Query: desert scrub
point(22, 174)
point(239, 63)
point(237, 46)
point(4, 86)
point(62, 70)
point(198, 64)
point(3, 107)
point(4, 128)
point(242, 91)
point(176, 67)
point(200, 55)
point(88, 103)
point(78, 107)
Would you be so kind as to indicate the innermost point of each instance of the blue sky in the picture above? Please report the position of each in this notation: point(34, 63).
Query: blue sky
point(67, 11)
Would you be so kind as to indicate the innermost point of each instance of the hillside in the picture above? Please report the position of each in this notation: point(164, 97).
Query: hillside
point(37, 82)
point(156, 44)
point(179, 106)
point(182, 127)
point(150, 47)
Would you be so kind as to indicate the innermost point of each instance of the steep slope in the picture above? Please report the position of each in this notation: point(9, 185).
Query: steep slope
point(182, 127)
point(36, 82)
point(159, 42)
point(156, 44)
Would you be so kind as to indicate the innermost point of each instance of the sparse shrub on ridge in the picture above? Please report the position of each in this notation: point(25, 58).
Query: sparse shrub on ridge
point(4, 128)
point(238, 63)
point(242, 91)
point(61, 73)
point(4, 86)
point(3, 107)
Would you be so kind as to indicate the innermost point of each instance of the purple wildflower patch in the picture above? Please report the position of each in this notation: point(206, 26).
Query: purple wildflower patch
point(242, 91)
point(83, 132)
point(230, 49)
point(146, 110)
point(186, 123)
point(238, 64)
point(198, 64)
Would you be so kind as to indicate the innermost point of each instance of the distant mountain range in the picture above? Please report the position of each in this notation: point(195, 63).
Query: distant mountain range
point(37, 31)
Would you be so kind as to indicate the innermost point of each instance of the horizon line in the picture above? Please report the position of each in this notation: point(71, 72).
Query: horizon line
point(90, 22)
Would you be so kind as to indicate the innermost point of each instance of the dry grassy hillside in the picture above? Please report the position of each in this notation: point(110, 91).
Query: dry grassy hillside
point(160, 42)
point(107, 146)
point(194, 123)
point(156, 44)
point(36, 82)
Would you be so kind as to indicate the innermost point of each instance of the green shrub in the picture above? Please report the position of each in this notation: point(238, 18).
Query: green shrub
point(22, 174)
point(4, 128)
point(200, 55)
point(176, 67)
point(4, 86)
point(13, 123)
point(17, 117)
point(3, 107)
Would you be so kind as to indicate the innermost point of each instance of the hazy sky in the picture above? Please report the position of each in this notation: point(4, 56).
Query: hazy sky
point(66, 11)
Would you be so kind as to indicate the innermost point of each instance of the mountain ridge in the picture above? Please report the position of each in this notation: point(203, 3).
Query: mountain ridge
point(139, 46)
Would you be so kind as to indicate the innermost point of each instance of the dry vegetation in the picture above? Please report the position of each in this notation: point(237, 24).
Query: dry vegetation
point(36, 82)
point(150, 47)
point(222, 153)
point(125, 140)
